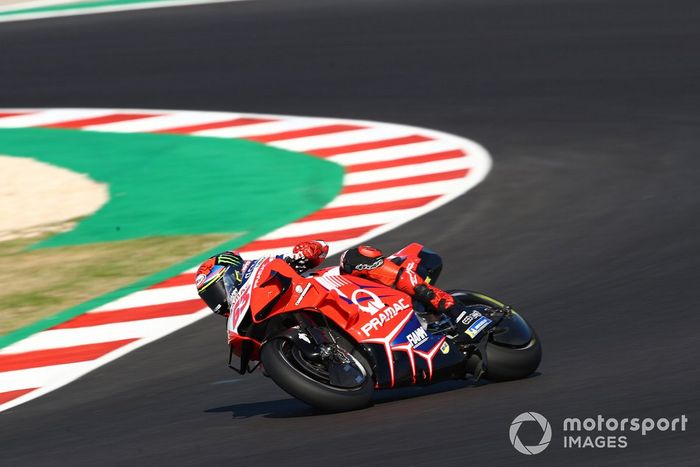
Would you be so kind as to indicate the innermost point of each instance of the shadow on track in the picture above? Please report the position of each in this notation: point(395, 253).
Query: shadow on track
point(281, 408)
point(293, 408)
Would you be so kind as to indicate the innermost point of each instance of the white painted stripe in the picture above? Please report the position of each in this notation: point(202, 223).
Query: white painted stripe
point(56, 338)
point(33, 4)
point(71, 376)
point(148, 330)
point(397, 193)
point(426, 168)
point(149, 297)
point(262, 129)
point(37, 377)
point(342, 138)
point(48, 117)
point(331, 282)
point(183, 273)
point(342, 223)
point(393, 152)
point(79, 11)
point(334, 271)
point(162, 122)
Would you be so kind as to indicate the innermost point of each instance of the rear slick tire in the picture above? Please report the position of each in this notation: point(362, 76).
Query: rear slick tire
point(506, 364)
point(275, 357)
point(510, 355)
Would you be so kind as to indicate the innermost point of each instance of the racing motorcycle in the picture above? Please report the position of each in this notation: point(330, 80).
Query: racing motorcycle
point(331, 339)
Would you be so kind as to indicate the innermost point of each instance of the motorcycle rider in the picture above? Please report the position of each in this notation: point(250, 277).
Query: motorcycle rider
point(228, 268)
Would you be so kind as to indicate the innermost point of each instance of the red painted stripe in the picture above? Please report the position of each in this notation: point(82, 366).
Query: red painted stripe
point(438, 156)
point(345, 211)
point(405, 181)
point(289, 241)
point(11, 114)
point(216, 125)
point(7, 396)
point(327, 152)
point(182, 279)
point(133, 314)
point(59, 356)
point(112, 118)
point(315, 131)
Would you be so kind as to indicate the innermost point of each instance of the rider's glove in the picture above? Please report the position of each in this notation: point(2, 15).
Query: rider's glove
point(438, 298)
point(307, 255)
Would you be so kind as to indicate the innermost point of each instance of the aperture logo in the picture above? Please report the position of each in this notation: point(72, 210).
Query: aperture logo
point(598, 432)
point(546, 433)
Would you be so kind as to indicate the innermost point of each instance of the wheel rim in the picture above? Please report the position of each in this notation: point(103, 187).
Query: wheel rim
point(319, 371)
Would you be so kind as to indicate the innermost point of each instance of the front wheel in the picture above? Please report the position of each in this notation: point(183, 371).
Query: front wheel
point(310, 380)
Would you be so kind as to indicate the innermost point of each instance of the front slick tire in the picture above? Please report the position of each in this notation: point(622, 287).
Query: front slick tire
point(279, 363)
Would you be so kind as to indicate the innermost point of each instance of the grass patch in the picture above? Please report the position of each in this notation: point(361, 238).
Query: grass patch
point(40, 283)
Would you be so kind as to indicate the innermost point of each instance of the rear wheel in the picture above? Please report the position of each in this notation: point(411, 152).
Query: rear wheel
point(513, 350)
point(509, 363)
point(321, 383)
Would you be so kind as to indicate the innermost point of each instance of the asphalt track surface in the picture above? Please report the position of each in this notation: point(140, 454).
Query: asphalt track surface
point(589, 222)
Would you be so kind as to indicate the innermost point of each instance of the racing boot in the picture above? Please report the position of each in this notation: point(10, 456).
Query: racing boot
point(468, 322)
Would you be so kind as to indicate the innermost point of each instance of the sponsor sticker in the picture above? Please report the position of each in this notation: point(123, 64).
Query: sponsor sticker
point(477, 326)
point(445, 348)
point(199, 280)
point(417, 337)
point(387, 314)
point(411, 271)
point(233, 297)
point(375, 265)
point(239, 302)
point(247, 269)
point(367, 301)
point(467, 318)
point(301, 292)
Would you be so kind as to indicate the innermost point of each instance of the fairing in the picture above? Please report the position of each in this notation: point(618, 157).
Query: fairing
point(380, 318)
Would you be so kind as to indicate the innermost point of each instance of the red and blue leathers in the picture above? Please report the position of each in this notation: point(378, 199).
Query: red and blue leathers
point(363, 261)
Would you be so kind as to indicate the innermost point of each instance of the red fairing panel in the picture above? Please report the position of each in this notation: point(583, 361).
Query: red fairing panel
point(370, 312)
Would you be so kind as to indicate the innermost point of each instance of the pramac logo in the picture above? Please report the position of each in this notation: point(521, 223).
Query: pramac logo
point(369, 304)
point(381, 313)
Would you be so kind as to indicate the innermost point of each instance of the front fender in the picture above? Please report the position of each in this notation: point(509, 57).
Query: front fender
point(301, 339)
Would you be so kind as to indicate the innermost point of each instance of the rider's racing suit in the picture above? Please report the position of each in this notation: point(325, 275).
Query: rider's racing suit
point(369, 262)
point(363, 261)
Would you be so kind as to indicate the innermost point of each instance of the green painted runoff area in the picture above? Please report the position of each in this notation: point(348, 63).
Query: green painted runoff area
point(180, 185)
point(76, 5)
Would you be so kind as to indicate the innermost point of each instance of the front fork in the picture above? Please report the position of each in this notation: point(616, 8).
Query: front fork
point(318, 344)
